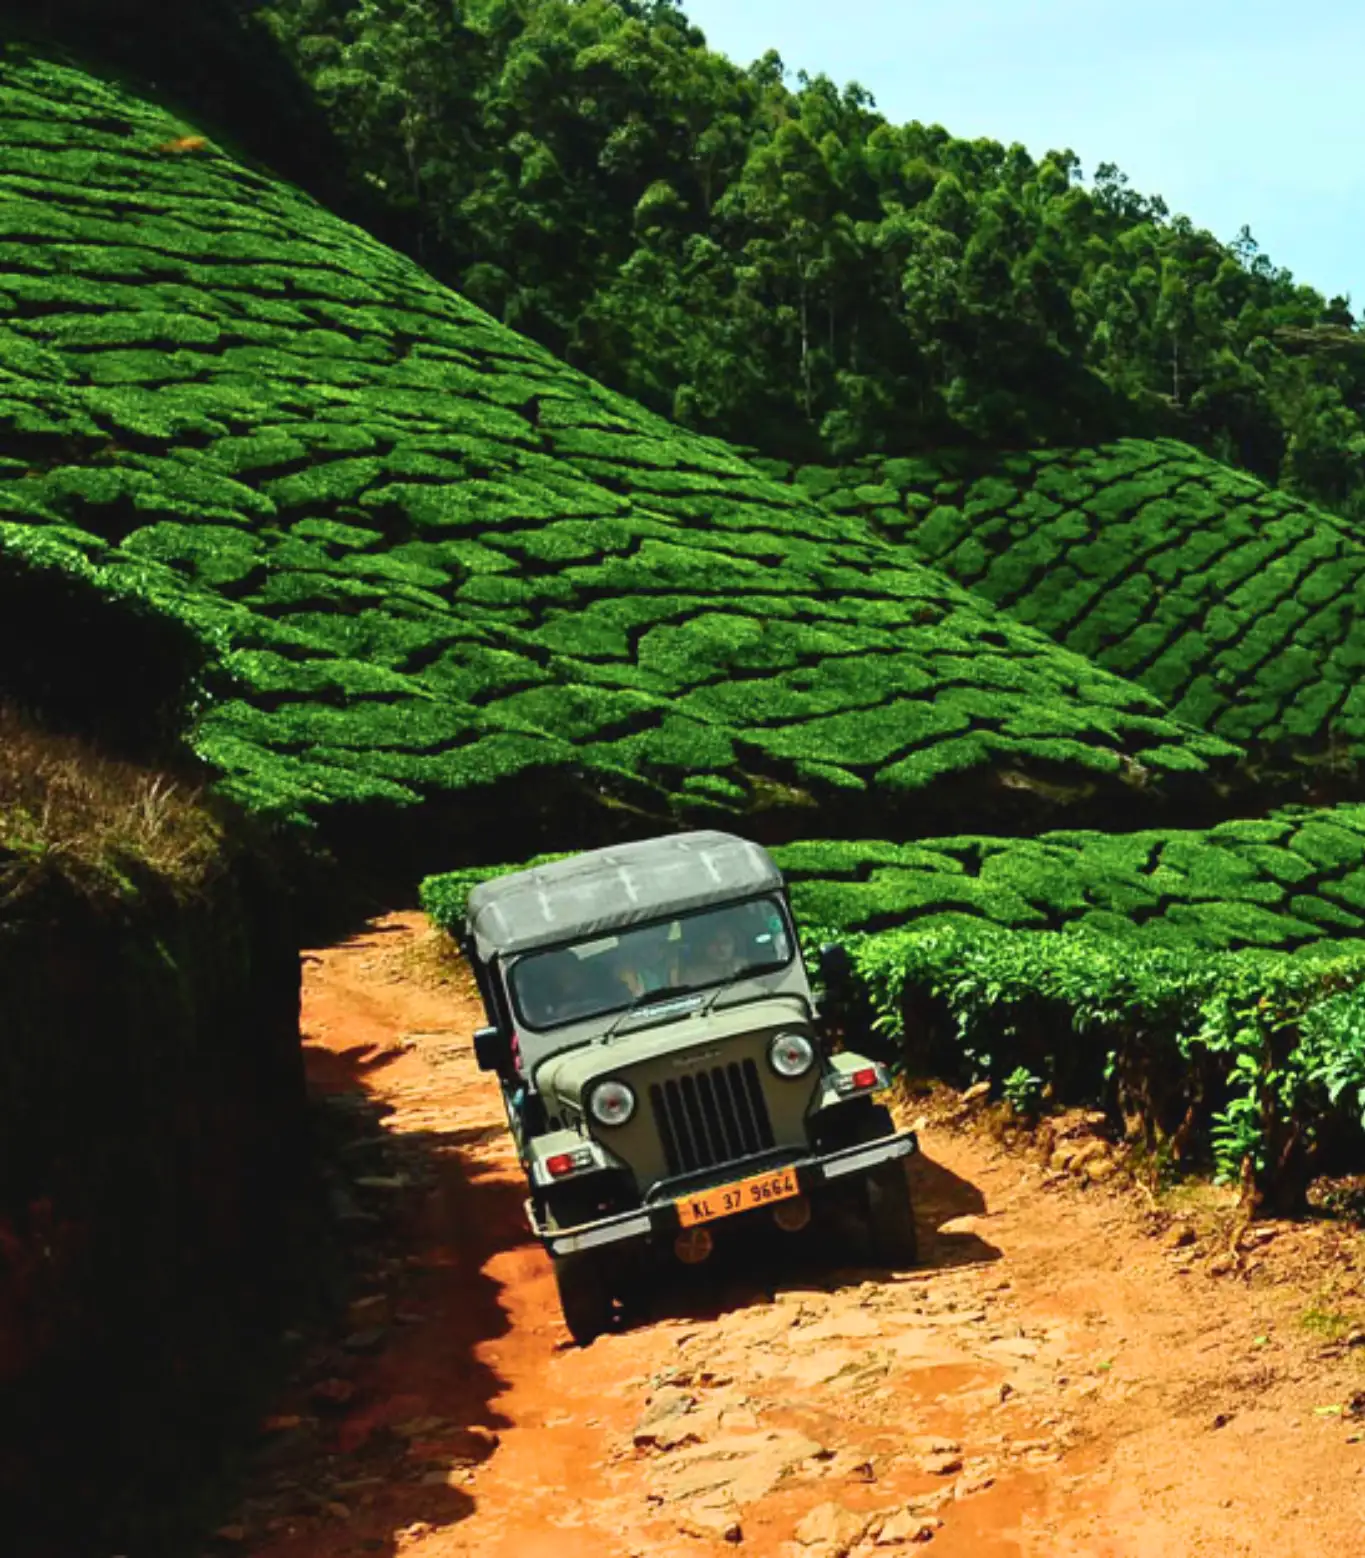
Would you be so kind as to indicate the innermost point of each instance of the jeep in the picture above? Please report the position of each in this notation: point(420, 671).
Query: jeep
point(667, 1073)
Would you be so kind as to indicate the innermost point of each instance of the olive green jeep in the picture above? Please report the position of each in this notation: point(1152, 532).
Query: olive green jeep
point(667, 1073)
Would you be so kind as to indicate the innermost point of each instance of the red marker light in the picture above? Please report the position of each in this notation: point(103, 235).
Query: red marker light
point(560, 1164)
point(867, 1077)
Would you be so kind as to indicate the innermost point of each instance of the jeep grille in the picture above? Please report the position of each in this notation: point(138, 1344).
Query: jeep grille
point(711, 1117)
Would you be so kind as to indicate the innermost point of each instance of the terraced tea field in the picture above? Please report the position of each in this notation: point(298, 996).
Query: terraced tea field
point(1237, 605)
point(1282, 882)
point(1279, 883)
point(424, 557)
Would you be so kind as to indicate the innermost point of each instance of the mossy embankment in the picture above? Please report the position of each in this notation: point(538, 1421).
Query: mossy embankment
point(151, 1135)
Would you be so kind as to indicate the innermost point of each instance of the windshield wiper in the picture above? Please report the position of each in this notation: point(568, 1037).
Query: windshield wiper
point(664, 997)
point(671, 993)
point(715, 996)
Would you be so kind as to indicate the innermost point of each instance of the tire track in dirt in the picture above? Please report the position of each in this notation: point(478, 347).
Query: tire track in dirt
point(1054, 1380)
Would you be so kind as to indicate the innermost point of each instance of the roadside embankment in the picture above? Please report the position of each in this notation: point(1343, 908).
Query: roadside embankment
point(150, 1130)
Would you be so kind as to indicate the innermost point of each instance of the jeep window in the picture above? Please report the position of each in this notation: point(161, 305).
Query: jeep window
point(694, 952)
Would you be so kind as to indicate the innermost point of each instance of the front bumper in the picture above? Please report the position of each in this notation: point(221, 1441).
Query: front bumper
point(659, 1218)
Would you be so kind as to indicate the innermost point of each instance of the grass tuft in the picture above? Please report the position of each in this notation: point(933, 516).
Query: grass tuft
point(66, 808)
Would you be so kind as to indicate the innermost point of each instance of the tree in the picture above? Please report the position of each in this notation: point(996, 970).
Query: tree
point(772, 261)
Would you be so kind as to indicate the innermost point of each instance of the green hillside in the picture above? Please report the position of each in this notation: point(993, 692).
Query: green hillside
point(423, 556)
point(1237, 605)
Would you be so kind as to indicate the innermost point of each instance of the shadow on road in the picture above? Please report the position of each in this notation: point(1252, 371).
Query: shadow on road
point(389, 1408)
point(942, 1197)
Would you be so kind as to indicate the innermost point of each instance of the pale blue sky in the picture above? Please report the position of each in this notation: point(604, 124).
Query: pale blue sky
point(1235, 111)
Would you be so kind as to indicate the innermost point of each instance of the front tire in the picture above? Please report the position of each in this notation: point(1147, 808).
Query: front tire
point(584, 1296)
point(892, 1240)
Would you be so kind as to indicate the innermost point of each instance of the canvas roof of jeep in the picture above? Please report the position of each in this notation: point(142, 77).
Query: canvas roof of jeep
point(604, 890)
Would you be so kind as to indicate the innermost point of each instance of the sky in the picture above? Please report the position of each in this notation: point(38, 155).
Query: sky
point(1236, 112)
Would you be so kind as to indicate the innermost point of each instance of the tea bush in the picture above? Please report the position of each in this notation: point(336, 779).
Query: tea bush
point(1254, 1059)
point(1194, 981)
point(425, 557)
point(1284, 881)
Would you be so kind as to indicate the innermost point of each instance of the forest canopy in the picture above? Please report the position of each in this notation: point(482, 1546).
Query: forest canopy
point(765, 259)
point(774, 263)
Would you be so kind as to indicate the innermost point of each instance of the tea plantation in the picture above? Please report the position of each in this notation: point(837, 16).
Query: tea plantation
point(1294, 878)
point(422, 556)
point(372, 549)
point(1236, 604)
point(1282, 882)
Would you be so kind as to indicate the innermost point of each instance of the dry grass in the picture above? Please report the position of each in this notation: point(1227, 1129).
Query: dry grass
point(66, 808)
point(434, 962)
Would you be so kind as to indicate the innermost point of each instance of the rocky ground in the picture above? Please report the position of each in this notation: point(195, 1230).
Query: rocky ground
point(1076, 1368)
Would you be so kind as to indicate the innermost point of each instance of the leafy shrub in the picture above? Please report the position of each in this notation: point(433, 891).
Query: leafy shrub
point(1285, 881)
point(1023, 1092)
point(1261, 1054)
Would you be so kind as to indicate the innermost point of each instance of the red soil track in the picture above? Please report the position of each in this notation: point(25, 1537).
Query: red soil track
point(1061, 1377)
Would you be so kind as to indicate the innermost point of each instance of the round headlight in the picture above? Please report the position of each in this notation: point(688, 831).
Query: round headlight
point(791, 1054)
point(611, 1103)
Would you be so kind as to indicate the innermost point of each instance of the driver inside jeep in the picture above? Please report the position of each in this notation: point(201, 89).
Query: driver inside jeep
point(562, 991)
point(716, 958)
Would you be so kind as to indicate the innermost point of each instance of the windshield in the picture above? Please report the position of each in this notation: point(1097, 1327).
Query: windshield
point(693, 952)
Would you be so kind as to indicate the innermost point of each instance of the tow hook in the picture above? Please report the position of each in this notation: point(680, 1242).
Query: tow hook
point(693, 1245)
point(794, 1215)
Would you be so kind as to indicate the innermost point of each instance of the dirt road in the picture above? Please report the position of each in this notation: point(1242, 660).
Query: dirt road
point(1068, 1373)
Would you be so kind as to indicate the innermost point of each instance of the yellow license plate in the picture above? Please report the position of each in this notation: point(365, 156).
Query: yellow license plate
point(741, 1196)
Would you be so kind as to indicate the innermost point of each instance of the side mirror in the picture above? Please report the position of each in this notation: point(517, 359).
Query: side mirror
point(491, 1049)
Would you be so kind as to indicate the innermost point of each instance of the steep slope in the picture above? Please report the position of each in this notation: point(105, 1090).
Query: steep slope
point(426, 557)
point(1237, 605)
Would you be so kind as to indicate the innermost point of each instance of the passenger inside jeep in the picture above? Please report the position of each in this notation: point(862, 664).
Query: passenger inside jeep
point(647, 960)
point(714, 956)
